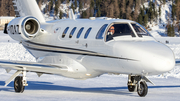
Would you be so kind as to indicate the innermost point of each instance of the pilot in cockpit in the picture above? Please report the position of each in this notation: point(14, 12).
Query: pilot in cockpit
point(110, 33)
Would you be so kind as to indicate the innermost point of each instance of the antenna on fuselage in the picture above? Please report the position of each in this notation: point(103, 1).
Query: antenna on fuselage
point(71, 14)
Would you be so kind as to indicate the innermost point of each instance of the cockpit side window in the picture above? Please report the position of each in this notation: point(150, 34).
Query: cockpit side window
point(64, 33)
point(140, 30)
point(116, 30)
point(122, 30)
point(101, 31)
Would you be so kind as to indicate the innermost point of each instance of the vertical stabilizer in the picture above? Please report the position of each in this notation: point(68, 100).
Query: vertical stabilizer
point(28, 7)
point(71, 14)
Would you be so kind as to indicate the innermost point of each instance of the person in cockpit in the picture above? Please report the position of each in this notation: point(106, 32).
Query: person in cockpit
point(110, 33)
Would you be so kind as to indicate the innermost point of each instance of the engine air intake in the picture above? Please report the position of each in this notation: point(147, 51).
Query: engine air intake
point(31, 26)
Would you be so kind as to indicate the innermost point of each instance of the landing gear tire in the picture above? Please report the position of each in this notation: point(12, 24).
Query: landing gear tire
point(18, 84)
point(142, 89)
point(131, 84)
point(131, 88)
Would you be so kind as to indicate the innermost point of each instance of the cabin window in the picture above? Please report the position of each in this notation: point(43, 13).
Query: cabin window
point(140, 30)
point(79, 33)
point(64, 33)
point(87, 33)
point(72, 32)
point(101, 31)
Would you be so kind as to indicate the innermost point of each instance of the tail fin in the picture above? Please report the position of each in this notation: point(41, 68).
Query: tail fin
point(28, 7)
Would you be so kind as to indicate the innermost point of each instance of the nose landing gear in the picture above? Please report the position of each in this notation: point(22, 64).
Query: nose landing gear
point(142, 89)
point(137, 84)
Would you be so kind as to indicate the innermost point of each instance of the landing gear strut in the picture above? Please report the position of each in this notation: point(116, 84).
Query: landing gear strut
point(136, 83)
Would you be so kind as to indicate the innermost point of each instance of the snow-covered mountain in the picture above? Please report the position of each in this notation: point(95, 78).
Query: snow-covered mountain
point(157, 27)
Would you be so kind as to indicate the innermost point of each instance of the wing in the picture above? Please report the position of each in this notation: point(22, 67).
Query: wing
point(39, 68)
point(33, 67)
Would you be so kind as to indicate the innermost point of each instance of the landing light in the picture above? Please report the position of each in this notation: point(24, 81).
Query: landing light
point(88, 74)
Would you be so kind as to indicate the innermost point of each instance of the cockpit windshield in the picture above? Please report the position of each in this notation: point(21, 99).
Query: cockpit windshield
point(140, 30)
point(125, 31)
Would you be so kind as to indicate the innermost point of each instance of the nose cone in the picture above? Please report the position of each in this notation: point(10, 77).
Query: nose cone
point(158, 59)
point(163, 63)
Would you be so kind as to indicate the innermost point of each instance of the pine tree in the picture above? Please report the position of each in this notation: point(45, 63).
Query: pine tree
point(156, 16)
point(50, 6)
point(80, 6)
point(75, 4)
point(115, 10)
point(146, 20)
point(99, 12)
point(164, 2)
point(123, 9)
point(159, 10)
point(173, 11)
point(169, 30)
point(136, 12)
point(91, 11)
point(60, 14)
point(67, 1)
point(129, 10)
point(140, 19)
point(57, 4)
point(84, 14)
point(150, 14)
point(178, 13)
point(172, 31)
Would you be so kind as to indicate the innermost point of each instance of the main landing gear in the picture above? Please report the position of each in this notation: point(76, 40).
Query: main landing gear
point(137, 84)
point(20, 82)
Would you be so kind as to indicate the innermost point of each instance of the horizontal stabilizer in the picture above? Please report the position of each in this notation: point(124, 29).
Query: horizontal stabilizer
point(177, 62)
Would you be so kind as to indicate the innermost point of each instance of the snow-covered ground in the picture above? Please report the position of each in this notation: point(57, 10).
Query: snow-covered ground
point(106, 87)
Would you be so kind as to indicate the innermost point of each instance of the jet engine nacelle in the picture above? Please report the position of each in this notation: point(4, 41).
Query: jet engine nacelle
point(23, 28)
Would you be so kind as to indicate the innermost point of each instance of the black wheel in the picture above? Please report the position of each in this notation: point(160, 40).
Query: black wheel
point(143, 89)
point(18, 84)
point(131, 88)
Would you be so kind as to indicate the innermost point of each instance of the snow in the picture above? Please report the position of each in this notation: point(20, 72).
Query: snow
point(103, 88)
point(106, 87)
point(158, 28)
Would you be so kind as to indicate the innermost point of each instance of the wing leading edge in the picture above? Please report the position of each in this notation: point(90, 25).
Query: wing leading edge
point(33, 67)
point(23, 67)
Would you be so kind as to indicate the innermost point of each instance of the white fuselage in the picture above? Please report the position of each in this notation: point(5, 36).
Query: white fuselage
point(90, 57)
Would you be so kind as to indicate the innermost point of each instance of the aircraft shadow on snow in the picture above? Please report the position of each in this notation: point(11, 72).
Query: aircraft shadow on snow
point(35, 85)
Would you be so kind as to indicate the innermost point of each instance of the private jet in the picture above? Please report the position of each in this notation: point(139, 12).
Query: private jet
point(82, 48)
